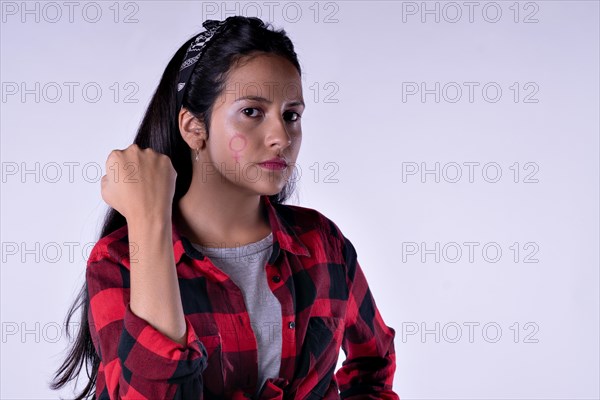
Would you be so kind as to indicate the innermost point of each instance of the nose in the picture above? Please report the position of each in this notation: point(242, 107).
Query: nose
point(277, 133)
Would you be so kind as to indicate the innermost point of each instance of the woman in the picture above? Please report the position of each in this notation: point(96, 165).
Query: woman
point(203, 283)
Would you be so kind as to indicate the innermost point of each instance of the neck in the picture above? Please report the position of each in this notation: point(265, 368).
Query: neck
point(216, 217)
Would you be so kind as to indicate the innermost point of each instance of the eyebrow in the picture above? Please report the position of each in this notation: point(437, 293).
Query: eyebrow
point(263, 100)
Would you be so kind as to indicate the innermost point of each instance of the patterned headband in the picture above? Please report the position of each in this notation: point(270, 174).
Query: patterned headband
point(193, 54)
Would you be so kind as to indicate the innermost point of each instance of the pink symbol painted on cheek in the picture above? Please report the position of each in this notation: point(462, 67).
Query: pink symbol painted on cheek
point(236, 145)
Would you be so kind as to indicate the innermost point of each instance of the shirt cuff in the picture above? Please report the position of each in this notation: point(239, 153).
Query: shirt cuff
point(148, 353)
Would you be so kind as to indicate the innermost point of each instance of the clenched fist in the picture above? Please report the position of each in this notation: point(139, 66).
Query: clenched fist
point(139, 183)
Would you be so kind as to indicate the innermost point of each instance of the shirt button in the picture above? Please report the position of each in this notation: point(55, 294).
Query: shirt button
point(292, 325)
point(276, 279)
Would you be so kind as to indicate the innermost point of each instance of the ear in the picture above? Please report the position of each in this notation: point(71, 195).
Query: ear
point(192, 129)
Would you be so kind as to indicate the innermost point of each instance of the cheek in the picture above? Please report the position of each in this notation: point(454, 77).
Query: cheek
point(237, 144)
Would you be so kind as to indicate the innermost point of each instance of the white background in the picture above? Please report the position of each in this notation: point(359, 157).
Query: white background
point(534, 324)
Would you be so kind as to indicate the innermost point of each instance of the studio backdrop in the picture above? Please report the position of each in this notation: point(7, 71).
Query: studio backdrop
point(454, 143)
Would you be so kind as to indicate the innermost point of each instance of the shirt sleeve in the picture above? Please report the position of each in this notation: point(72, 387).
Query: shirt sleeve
point(368, 370)
point(137, 361)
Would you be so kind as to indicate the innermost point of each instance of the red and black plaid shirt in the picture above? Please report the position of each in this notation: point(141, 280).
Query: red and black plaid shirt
point(325, 302)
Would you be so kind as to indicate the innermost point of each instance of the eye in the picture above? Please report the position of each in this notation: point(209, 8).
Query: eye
point(293, 116)
point(251, 109)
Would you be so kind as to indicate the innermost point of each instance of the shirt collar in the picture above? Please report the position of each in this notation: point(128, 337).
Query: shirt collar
point(284, 236)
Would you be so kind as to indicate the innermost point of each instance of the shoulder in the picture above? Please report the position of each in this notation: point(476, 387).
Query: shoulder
point(309, 222)
point(113, 246)
point(303, 219)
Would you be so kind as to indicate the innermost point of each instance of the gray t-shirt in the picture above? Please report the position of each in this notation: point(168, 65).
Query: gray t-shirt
point(245, 265)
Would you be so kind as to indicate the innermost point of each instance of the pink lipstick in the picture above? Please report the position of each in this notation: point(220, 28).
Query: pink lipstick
point(276, 163)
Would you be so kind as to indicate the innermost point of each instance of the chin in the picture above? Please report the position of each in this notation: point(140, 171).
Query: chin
point(269, 188)
point(271, 192)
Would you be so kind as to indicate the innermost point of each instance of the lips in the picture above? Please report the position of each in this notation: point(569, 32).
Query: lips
point(274, 162)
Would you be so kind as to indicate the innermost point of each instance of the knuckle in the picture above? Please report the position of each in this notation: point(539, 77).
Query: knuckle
point(112, 155)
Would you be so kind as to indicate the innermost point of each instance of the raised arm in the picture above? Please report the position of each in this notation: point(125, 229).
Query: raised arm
point(148, 349)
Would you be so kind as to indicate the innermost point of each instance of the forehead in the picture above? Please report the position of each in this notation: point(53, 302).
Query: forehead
point(264, 75)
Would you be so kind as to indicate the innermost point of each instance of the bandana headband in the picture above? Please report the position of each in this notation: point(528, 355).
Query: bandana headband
point(193, 54)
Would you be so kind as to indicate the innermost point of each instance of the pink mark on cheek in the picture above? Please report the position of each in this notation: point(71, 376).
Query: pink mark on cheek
point(236, 145)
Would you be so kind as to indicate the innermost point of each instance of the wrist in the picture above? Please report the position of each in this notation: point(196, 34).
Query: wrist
point(149, 223)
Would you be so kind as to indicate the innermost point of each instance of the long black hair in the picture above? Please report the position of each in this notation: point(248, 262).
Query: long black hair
point(240, 38)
